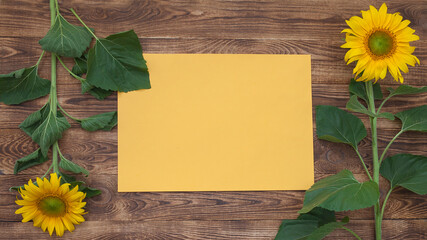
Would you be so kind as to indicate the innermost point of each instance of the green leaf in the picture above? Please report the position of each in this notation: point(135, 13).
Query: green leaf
point(66, 178)
point(116, 63)
point(34, 158)
point(104, 121)
point(336, 125)
point(49, 131)
point(22, 85)
point(406, 170)
point(34, 120)
point(325, 230)
point(322, 215)
point(341, 192)
point(90, 192)
point(406, 90)
point(296, 229)
point(80, 66)
point(389, 116)
point(314, 225)
point(359, 89)
point(354, 105)
point(66, 39)
point(71, 166)
point(414, 119)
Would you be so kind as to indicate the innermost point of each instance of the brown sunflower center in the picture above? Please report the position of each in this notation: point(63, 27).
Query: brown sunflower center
point(380, 43)
point(52, 206)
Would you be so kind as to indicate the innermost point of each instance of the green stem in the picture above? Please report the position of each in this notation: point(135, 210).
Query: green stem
point(71, 72)
point(388, 145)
point(53, 97)
point(57, 7)
point(382, 104)
point(48, 170)
point(81, 21)
point(352, 233)
point(376, 165)
point(385, 202)
point(63, 111)
point(363, 163)
point(40, 58)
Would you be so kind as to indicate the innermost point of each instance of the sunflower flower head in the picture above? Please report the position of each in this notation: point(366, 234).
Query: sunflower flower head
point(51, 205)
point(379, 41)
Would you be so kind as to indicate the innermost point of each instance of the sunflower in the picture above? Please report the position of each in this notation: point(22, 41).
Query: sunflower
point(379, 41)
point(51, 205)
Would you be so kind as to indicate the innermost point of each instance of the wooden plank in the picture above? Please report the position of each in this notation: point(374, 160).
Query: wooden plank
point(218, 206)
point(97, 151)
point(191, 19)
point(328, 66)
point(241, 229)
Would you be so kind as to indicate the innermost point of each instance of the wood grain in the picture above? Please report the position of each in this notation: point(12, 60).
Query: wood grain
point(241, 229)
point(198, 26)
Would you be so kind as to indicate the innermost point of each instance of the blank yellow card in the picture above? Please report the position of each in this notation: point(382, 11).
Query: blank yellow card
point(218, 122)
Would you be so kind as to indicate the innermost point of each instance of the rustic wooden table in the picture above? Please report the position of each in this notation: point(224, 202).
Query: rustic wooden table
point(202, 26)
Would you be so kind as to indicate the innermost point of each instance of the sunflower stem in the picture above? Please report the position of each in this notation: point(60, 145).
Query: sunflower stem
point(376, 164)
point(53, 95)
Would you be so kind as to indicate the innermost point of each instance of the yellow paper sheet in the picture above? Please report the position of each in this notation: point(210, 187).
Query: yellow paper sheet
point(218, 122)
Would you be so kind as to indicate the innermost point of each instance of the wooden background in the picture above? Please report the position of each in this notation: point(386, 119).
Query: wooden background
point(203, 26)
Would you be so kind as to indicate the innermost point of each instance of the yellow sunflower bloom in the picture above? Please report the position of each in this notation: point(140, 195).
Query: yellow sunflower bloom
point(51, 205)
point(379, 41)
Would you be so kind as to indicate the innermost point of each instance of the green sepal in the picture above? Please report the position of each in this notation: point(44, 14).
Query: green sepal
point(407, 171)
point(22, 85)
point(116, 63)
point(341, 192)
point(66, 39)
point(33, 159)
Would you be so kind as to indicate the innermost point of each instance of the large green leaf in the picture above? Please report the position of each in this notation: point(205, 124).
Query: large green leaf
point(414, 119)
point(359, 89)
point(34, 158)
point(50, 131)
point(406, 90)
point(116, 63)
point(66, 39)
point(336, 125)
point(34, 120)
point(104, 121)
point(71, 166)
point(354, 105)
point(45, 128)
point(341, 192)
point(406, 170)
point(22, 85)
point(314, 225)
